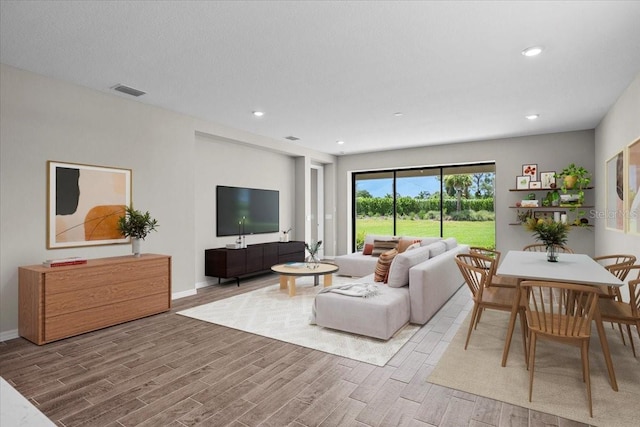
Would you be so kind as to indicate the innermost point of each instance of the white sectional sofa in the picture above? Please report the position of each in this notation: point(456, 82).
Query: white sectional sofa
point(419, 283)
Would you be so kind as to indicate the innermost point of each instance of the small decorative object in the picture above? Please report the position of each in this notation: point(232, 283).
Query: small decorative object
point(535, 185)
point(550, 233)
point(136, 225)
point(522, 182)
point(555, 198)
point(523, 216)
point(312, 261)
point(531, 196)
point(285, 235)
point(531, 171)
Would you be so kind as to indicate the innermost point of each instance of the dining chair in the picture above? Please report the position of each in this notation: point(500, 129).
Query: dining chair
point(476, 275)
point(624, 313)
point(541, 247)
point(496, 280)
point(560, 312)
point(616, 265)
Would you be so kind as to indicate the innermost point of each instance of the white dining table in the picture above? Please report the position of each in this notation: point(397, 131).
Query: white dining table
point(571, 268)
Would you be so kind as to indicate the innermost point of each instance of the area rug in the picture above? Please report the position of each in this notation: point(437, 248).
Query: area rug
point(557, 386)
point(270, 312)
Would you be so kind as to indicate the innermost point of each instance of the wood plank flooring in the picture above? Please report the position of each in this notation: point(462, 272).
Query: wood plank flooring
point(170, 370)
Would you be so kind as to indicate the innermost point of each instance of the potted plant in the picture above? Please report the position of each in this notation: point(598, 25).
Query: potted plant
point(136, 225)
point(574, 177)
point(550, 233)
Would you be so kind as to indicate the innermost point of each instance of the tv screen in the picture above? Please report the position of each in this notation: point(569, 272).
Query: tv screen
point(246, 211)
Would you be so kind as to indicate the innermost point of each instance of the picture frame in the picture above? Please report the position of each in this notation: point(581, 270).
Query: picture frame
point(522, 182)
point(548, 179)
point(530, 170)
point(535, 185)
point(632, 187)
point(84, 203)
point(615, 217)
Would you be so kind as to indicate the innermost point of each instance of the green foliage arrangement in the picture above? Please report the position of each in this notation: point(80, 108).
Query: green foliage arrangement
point(136, 224)
point(548, 231)
point(582, 179)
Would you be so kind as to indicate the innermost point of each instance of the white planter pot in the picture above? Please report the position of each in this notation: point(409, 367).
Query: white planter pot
point(135, 247)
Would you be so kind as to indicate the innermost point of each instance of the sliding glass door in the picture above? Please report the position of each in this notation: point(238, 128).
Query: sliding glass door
point(453, 201)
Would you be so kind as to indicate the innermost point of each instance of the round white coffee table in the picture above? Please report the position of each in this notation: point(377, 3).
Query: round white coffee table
point(289, 272)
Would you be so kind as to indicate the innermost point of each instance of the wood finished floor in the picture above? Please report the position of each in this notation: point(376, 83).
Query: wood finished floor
point(170, 370)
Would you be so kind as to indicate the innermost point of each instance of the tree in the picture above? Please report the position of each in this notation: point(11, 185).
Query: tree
point(423, 195)
point(458, 185)
point(363, 193)
point(483, 183)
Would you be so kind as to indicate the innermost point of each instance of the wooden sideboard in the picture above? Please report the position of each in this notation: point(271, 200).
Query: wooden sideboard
point(60, 302)
point(233, 263)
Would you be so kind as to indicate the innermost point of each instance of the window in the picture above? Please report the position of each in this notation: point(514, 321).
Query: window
point(452, 201)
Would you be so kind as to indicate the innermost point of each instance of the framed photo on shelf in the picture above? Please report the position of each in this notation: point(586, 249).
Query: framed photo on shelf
point(84, 204)
point(535, 185)
point(522, 182)
point(531, 171)
point(615, 192)
point(632, 188)
point(548, 179)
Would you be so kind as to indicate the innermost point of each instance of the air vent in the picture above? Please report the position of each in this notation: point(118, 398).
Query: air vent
point(292, 138)
point(128, 90)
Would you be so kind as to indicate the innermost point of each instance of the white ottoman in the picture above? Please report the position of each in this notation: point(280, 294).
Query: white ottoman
point(379, 316)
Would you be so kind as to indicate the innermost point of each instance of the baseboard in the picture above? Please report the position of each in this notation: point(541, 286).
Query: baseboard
point(9, 335)
point(183, 294)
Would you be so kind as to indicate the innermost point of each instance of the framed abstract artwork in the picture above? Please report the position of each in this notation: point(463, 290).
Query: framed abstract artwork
point(84, 203)
point(632, 190)
point(548, 179)
point(615, 193)
point(530, 170)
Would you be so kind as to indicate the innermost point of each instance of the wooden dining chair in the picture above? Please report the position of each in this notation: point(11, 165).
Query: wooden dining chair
point(616, 265)
point(496, 280)
point(541, 247)
point(624, 313)
point(560, 312)
point(476, 275)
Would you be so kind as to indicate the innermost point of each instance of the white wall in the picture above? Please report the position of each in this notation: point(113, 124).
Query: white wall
point(620, 127)
point(45, 119)
point(550, 152)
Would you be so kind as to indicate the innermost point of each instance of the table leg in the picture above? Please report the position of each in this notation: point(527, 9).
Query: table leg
point(605, 349)
point(292, 286)
point(328, 280)
point(315, 279)
point(512, 324)
point(283, 282)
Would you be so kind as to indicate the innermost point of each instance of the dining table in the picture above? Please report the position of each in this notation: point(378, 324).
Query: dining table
point(570, 268)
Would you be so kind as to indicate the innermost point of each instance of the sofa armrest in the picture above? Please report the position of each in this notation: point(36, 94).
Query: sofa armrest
point(433, 282)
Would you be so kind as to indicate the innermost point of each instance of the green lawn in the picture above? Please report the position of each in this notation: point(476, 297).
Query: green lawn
point(474, 233)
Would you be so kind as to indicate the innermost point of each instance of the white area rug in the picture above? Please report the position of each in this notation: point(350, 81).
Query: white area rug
point(270, 312)
point(557, 386)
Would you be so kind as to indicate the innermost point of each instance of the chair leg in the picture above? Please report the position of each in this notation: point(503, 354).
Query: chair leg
point(474, 314)
point(532, 362)
point(633, 348)
point(523, 327)
point(621, 334)
point(587, 377)
point(475, 326)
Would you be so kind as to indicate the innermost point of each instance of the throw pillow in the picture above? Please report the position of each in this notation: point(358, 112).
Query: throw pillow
point(380, 246)
point(413, 246)
point(399, 270)
point(451, 243)
point(383, 264)
point(436, 248)
point(429, 240)
point(404, 243)
point(368, 249)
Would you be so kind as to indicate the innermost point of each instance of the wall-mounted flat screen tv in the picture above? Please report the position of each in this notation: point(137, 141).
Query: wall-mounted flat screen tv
point(246, 211)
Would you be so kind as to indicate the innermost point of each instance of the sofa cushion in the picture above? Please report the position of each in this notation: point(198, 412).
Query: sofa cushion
point(414, 246)
point(436, 248)
point(368, 249)
point(382, 267)
point(380, 246)
point(399, 270)
point(451, 243)
point(370, 238)
point(404, 243)
point(429, 240)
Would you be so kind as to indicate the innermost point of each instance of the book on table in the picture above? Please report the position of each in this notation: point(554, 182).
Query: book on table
point(64, 261)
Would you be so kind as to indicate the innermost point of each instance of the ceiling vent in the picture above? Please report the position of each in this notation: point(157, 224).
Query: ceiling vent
point(128, 90)
point(292, 138)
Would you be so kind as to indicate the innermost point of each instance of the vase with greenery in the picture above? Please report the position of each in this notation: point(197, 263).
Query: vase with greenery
point(313, 260)
point(574, 177)
point(549, 232)
point(136, 225)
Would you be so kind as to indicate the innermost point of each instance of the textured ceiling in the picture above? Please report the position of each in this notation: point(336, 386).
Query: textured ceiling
point(328, 71)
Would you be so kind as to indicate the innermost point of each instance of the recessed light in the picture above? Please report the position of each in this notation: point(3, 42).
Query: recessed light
point(532, 116)
point(398, 114)
point(340, 142)
point(258, 113)
point(532, 51)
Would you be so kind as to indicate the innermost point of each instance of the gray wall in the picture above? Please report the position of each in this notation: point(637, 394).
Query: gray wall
point(549, 152)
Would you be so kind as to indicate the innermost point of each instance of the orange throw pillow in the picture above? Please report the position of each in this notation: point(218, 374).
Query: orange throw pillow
point(368, 249)
point(383, 265)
